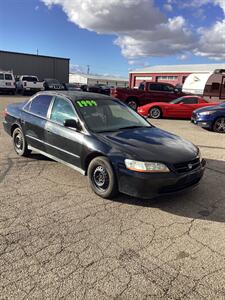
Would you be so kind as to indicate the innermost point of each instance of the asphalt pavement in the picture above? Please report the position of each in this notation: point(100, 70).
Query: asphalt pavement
point(59, 240)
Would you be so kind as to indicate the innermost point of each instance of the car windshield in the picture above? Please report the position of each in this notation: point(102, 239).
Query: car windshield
point(222, 104)
point(109, 115)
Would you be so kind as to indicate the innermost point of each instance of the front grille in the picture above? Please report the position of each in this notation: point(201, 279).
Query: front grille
point(187, 166)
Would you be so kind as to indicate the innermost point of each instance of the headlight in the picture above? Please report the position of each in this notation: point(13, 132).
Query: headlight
point(199, 155)
point(141, 166)
point(206, 113)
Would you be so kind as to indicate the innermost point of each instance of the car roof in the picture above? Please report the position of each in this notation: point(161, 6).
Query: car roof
point(77, 95)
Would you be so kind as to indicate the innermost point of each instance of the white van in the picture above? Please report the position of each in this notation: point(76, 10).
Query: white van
point(7, 82)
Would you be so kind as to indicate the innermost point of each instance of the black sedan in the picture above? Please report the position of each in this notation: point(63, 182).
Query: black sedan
point(103, 138)
point(51, 84)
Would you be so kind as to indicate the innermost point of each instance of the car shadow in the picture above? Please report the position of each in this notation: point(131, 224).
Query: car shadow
point(206, 201)
point(37, 156)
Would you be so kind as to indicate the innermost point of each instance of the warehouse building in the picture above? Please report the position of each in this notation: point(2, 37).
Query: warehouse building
point(174, 74)
point(89, 79)
point(39, 65)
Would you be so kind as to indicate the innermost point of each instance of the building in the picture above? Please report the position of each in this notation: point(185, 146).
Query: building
point(39, 65)
point(174, 74)
point(97, 79)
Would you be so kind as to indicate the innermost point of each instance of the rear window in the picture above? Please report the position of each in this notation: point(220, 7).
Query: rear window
point(40, 104)
point(8, 77)
point(29, 78)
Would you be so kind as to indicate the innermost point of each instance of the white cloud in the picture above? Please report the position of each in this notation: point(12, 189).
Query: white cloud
point(168, 7)
point(143, 30)
point(212, 42)
point(183, 56)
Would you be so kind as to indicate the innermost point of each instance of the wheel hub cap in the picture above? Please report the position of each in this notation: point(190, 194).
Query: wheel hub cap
point(220, 125)
point(19, 141)
point(155, 112)
point(101, 178)
point(132, 104)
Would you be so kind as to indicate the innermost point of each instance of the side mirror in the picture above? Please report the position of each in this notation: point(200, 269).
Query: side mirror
point(71, 123)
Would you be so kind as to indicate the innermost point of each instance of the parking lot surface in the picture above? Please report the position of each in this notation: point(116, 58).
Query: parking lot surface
point(59, 240)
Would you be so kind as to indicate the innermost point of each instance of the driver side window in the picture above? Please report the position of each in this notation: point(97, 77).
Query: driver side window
point(62, 110)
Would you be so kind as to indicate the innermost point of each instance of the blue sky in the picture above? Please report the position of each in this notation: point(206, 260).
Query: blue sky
point(118, 36)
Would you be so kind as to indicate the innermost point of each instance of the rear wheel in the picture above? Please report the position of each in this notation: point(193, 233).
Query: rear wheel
point(219, 125)
point(19, 143)
point(102, 178)
point(133, 103)
point(155, 113)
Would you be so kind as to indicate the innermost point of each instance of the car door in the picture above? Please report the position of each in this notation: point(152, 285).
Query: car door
point(188, 105)
point(154, 93)
point(63, 142)
point(34, 118)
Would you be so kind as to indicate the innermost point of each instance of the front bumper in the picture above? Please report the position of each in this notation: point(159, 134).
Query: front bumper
point(202, 121)
point(149, 185)
point(6, 127)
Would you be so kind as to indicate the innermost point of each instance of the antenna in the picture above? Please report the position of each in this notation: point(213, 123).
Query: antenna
point(88, 69)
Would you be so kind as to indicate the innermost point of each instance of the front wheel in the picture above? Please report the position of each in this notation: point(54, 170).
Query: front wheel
point(155, 113)
point(219, 125)
point(102, 178)
point(19, 143)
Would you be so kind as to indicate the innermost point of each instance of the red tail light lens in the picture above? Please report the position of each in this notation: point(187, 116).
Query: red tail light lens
point(24, 84)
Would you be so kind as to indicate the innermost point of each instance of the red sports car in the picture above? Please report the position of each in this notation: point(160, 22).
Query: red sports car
point(178, 108)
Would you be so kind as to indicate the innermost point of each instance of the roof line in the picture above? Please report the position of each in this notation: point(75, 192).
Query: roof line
point(30, 54)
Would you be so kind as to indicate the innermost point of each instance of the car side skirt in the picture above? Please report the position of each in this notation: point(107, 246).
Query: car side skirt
point(57, 159)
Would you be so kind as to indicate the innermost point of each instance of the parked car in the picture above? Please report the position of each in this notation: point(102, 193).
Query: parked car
point(212, 118)
point(28, 84)
point(148, 92)
point(71, 87)
point(7, 82)
point(99, 88)
point(53, 84)
point(178, 108)
point(103, 138)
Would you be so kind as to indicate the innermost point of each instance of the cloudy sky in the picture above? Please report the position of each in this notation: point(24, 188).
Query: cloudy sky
point(114, 36)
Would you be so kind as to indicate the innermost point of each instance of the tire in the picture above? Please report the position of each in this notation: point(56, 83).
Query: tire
point(155, 113)
point(19, 142)
point(219, 125)
point(132, 103)
point(102, 178)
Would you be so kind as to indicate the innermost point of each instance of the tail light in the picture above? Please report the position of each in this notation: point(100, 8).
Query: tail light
point(113, 92)
point(14, 83)
point(5, 113)
point(24, 83)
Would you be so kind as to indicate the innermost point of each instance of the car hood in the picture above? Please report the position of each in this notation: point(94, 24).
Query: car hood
point(209, 108)
point(150, 144)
